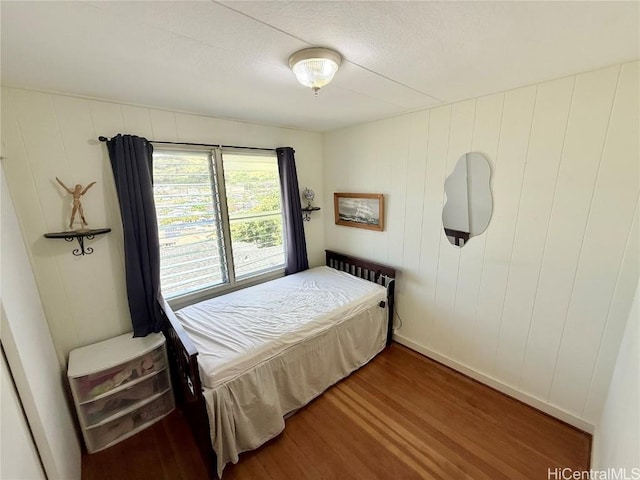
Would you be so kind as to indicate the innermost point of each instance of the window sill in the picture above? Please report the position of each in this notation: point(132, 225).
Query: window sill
point(182, 301)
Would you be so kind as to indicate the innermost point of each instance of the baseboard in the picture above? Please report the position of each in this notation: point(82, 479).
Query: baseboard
point(530, 400)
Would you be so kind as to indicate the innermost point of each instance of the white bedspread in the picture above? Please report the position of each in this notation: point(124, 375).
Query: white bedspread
point(272, 355)
point(237, 331)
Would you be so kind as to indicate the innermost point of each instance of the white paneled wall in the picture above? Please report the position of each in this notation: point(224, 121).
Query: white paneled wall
point(616, 441)
point(45, 135)
point(536, 305)
point(31, 356)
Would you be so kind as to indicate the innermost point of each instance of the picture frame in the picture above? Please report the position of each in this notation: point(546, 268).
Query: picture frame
point(359, 210)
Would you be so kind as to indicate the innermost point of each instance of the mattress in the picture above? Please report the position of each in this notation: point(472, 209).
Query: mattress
point(235, 332)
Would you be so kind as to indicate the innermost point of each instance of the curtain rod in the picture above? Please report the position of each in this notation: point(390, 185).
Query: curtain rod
point(106, 139)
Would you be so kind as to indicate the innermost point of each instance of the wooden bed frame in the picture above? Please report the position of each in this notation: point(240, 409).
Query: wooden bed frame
point(183, 356)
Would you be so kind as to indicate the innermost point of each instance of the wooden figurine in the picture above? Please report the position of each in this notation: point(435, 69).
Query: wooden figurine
point(76, 193)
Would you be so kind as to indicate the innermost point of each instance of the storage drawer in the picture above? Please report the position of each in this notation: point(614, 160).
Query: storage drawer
point(122, 427)
point(97, 411)
point(95, 385)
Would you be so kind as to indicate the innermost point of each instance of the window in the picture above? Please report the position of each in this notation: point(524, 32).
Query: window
point(219, 217)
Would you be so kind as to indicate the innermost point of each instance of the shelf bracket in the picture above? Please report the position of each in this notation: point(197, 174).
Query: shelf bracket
point(79, 235)
point(306, 212)
point(82, 250)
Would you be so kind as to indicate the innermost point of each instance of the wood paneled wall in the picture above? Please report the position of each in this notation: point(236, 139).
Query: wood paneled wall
point(535, 306)
point(45, 135)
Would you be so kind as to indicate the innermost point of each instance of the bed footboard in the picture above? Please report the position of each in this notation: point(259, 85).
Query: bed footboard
point(374, 272)
point(185, 376)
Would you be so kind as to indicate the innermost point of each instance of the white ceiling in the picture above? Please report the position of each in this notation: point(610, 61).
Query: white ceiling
point(229, 59)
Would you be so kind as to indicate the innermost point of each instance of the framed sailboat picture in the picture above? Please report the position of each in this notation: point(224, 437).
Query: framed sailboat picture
point(361, 210)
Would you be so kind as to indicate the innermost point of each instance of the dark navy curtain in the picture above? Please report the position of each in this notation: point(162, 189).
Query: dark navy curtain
point(132, 164)
point(295, 244)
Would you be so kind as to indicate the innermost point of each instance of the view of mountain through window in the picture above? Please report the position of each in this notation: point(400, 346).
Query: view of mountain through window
point(255, 215)
point(214, 232)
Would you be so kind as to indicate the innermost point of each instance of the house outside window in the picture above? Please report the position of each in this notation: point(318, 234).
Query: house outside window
point(219, 219)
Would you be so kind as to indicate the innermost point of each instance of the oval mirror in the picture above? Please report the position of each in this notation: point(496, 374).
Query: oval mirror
point(468, 208)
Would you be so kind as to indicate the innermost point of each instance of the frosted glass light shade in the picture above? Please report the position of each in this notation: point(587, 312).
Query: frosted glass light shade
point(315, 67)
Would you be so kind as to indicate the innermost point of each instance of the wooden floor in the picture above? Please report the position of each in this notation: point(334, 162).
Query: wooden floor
point(402, 416)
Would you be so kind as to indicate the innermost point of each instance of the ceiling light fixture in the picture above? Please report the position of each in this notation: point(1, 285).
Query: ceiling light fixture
point(315, 67)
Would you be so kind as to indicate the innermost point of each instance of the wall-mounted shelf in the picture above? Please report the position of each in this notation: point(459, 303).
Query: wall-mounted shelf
point(79, 235)
point(306, 212)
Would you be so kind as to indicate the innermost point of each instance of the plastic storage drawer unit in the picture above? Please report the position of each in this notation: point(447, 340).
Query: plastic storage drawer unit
point(119, 386)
